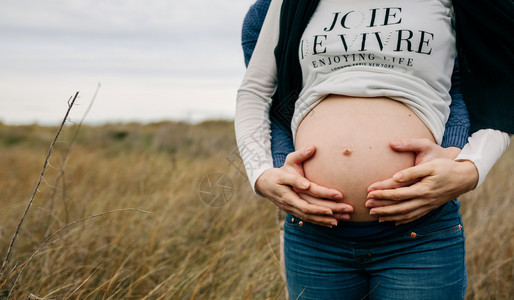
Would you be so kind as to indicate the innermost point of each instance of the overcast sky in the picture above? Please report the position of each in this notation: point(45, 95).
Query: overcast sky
point(155, 59)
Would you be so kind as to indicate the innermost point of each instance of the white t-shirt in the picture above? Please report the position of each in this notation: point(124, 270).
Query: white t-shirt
point(403, 50)
point(427, 83)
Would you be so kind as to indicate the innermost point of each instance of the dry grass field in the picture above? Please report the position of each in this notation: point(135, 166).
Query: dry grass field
point(189, 245)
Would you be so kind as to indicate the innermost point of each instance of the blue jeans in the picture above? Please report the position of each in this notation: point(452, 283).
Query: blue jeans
point(423, 262)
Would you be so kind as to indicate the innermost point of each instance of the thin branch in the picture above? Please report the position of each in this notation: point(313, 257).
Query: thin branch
point(6, 259)
point(67, 151)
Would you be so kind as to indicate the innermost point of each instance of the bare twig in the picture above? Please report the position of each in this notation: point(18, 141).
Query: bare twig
point(64, 228)
point(64, 160)
point(6, 259)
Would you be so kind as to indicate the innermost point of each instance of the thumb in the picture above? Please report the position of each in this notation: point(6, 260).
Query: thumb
point(299, 156)
point(411, 145)
point(413, 173)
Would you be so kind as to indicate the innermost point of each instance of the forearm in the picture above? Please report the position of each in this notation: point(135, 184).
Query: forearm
point(457, 132)
point(254, 100)
point(281, 141)
point(457, 127)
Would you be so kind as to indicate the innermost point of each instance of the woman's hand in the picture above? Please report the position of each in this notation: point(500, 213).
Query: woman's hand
point(425, 151)
point(413, 192)
point(339, 213)
point(317, 205)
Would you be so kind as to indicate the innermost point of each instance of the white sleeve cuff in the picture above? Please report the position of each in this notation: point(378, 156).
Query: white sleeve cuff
point(484, 149)
point(254, 178)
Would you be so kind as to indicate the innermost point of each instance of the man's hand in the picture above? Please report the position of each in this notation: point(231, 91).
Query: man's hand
point(317, 205)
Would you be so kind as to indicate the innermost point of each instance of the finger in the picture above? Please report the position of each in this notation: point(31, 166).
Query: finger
point(322, 221)
point(402, 208)
point(319, 191)
point(327, 221)
point(388, 184)
point(299, 156)
point(342, 217)
point(406, 218)
point(399, 194)
point(379, 203)
point(294, 200)
point(414, 173)
point(411, 145)
point(294, 180)
point(336, 207)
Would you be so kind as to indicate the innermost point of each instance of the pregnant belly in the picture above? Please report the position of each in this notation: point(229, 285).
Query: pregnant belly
point(352, 138)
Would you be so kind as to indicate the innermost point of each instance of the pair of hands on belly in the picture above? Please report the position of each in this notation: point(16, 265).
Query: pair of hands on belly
point(288, 188)
point(435, 179)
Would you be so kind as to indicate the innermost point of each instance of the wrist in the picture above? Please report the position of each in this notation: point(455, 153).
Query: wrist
point(261, 182)
point(469, 172)
point(452, 152)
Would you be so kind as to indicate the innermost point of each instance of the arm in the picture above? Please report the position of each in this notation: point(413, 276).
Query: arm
point(456, 130)
point(484, 148)
point(281, 140)
point(254, 99)
point(253, 138)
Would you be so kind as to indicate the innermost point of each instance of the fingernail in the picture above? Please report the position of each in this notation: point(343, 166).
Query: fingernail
point(369, 204)
point(372, 213)
point(334, 223)
point(338, 196)
point(308, 149)
point(396, 143)
point(398, 176)
point(380, 221)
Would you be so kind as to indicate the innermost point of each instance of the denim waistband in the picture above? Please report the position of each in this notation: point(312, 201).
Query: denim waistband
point(372, 231)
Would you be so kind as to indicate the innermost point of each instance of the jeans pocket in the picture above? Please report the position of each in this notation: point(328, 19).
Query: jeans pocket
point(431, 232)
point(292, 221)
point(447, 221)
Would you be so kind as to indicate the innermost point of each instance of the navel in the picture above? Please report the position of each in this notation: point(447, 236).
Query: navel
point(347, 151)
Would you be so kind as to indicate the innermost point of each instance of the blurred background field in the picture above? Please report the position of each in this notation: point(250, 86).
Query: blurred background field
point(190, 246)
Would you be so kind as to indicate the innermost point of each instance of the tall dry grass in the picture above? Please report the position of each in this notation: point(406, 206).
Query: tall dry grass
point(184, 249)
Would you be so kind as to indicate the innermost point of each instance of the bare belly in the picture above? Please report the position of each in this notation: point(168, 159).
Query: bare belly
point(352, 137)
